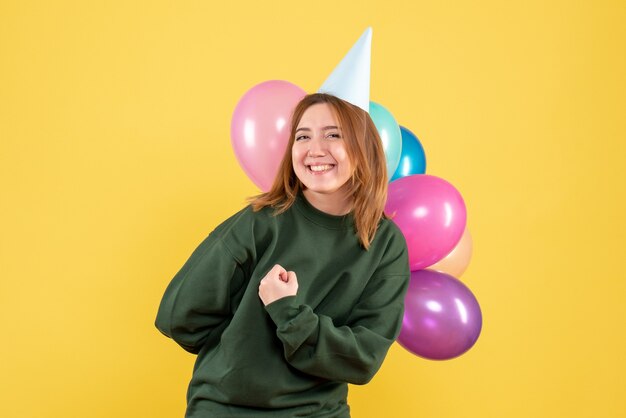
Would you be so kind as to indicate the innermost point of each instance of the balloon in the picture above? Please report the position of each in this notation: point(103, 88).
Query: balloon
point(260, 126)
point(431, 214)
point(442, 318)
point(457, 261)
point(390, 134)
point(412, 158)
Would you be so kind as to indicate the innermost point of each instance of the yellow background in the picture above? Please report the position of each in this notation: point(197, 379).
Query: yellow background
point(115, 162)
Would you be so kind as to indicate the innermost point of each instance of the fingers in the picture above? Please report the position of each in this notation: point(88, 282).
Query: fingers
point(292, 278)
point(276, 271)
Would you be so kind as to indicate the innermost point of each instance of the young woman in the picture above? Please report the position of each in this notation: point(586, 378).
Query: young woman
point(301, 292)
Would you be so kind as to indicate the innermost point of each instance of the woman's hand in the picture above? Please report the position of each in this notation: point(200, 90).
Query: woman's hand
point(277, 284)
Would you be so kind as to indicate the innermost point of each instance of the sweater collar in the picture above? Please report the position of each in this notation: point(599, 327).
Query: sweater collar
point(322, 218)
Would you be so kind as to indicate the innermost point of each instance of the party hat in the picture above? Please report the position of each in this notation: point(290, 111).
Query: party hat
point(350, 80)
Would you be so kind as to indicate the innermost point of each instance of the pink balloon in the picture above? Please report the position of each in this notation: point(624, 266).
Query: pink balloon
point(431, 214)
point(442, 318)
point(259, 128)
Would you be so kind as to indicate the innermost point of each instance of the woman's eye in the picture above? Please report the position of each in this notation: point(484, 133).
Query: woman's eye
point(298, 138)
point(334, 136)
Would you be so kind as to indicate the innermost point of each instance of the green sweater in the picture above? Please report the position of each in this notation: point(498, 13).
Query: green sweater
point(295, 356)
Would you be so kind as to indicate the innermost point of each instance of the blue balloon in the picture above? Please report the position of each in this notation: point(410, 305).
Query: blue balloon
point(412, 159)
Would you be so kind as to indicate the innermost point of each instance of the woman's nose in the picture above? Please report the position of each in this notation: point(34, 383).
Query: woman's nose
point(316, 147)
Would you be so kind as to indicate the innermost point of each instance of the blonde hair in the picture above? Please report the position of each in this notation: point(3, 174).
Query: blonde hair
point(368, 182)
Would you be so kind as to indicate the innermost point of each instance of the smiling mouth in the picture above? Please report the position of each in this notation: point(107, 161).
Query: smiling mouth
point(320, 168)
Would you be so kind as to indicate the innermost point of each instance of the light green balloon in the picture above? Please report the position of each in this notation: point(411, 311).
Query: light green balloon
point(390, 134)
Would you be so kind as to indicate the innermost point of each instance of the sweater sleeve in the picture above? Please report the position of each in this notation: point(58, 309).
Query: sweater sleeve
point(350, 353)
point(195, 308)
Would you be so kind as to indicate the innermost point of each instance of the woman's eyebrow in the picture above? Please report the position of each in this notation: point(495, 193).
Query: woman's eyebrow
point(325, 128)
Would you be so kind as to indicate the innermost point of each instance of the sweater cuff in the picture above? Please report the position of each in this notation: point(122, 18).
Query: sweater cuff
point(282, 310)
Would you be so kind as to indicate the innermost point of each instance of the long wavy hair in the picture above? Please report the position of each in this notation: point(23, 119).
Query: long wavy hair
point(368, 182)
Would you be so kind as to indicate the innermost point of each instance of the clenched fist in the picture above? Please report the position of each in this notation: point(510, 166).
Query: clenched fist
point(277, 284)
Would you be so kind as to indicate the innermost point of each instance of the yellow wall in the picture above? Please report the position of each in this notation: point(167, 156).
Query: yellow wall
point(115, 161)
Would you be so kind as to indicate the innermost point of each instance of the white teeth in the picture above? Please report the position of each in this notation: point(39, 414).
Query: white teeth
point(319, 168)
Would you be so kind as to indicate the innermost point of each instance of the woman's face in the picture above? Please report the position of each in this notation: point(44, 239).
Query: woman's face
point(319, 155)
